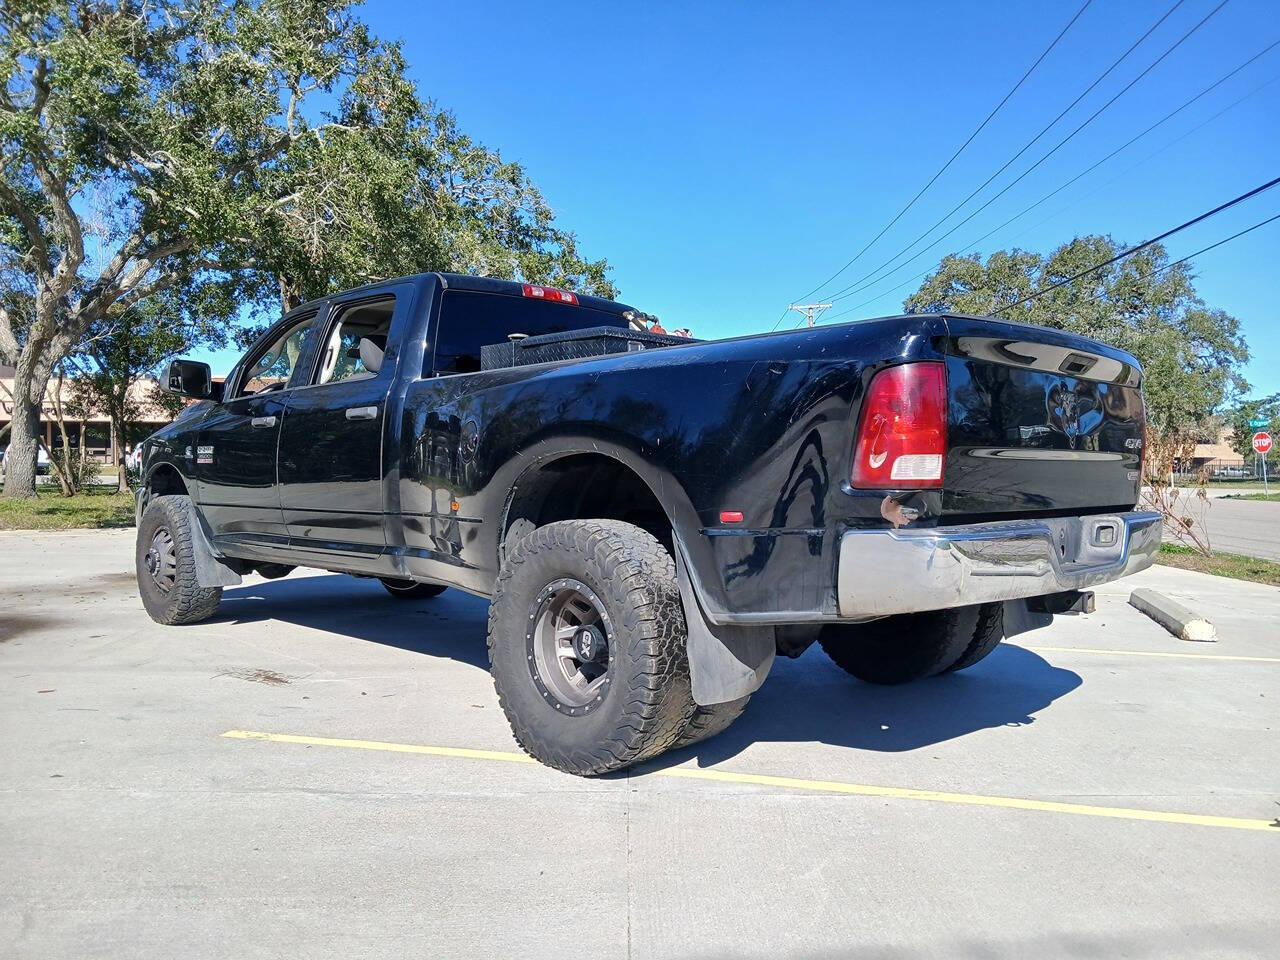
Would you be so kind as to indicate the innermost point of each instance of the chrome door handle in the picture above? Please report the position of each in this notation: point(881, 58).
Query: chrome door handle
point(263, 421)
point(362, 413)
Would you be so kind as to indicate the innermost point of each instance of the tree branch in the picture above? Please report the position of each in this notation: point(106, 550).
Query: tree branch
point(30, 222)
point(8, 342)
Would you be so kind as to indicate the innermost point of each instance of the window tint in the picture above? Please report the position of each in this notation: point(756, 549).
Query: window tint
point(344, 357)
point(271, 367)
point(470, 320)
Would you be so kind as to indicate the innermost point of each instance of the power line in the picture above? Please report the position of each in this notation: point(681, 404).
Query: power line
point(1078, 176)
point(1141, 246)
point(1155, 153)
point(959, 150)
point(860, 283)
point(1167, 266)
point(1068, 183)
point(944, 167)
point(1202, 250)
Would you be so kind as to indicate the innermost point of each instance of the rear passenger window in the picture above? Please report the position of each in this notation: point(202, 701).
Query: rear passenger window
point(357, 339)
point(469, 320)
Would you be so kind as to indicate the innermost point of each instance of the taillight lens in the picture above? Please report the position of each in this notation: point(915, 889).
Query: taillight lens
point(902, 433)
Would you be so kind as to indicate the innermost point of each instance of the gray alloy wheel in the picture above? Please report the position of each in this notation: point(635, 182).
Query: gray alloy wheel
point(569, 647)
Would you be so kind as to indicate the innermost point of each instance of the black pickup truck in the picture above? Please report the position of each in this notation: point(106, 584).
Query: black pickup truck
point(652, 524)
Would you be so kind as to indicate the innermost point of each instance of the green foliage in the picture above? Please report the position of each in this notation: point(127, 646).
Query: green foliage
point(133, 342)
point(1268, 408)
point(1191, 353)
point(250, 153)
point(1221, 564)
point(73, 470)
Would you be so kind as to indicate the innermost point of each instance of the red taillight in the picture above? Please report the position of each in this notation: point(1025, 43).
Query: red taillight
point(902, 433)
point(549, 293)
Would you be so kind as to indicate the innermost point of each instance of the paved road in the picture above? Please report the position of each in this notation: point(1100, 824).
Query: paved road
point(1249, 527)
point(1078, 776)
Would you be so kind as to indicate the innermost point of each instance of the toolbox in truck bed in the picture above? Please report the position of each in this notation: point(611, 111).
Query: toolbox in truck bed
point(572, 345)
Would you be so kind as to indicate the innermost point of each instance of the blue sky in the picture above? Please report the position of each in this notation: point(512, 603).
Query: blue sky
point(727, 158)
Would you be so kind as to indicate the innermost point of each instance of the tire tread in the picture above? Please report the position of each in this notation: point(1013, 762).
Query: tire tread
point(658, 702)
point(188, 601)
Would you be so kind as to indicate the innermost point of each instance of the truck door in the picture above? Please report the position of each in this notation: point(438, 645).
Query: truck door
point(331, 442)
point(235, 456)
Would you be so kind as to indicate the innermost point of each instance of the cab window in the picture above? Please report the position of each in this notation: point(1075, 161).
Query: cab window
point(270, 367)
point(356, 342)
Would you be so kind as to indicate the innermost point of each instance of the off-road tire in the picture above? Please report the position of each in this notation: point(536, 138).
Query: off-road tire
point(706, 722)
point(986, 636)
point(648, 702)
point(411, 589)
point(901, 648)
point(185, 601)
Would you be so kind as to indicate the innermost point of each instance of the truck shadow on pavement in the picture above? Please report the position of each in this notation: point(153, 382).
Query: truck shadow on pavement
point(813, 700)
point(802, 701)
point(453, 625)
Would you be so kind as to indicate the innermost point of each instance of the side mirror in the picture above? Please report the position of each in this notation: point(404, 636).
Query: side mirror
point(190, 378)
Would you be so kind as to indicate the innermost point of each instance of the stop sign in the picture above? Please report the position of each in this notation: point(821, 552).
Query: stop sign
point(1262, 442)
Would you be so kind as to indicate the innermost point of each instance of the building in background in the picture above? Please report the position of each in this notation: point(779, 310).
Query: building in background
point(95, 430)
point(1217, 457)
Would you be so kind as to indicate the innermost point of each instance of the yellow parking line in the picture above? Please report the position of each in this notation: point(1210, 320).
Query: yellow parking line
point(1152, 653)
point(794, 783)
point(506, 756)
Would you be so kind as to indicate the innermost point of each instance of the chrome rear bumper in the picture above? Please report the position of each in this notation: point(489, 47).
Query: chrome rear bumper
point(884, 572)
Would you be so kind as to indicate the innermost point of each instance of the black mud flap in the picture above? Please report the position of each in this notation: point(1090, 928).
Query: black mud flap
point(725, 662)
point(210, 571)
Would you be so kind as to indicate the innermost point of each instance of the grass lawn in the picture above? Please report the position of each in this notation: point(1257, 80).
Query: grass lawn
point(1221, 564)
point(1182, 484)
point(95, 507)
point(1274, 497)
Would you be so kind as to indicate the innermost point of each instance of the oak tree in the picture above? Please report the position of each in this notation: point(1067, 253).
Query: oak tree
point(273, 147)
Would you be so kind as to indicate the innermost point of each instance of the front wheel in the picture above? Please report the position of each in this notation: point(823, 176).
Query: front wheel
point(411, 589)
point(587, 646)
point(166, 566)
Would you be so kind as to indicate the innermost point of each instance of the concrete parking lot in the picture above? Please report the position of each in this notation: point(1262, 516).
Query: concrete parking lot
point(1094, 789)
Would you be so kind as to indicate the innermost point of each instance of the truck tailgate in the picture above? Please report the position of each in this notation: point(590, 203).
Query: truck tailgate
point(1040, 421)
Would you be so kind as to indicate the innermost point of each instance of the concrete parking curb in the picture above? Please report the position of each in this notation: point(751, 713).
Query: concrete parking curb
point(1173, 616)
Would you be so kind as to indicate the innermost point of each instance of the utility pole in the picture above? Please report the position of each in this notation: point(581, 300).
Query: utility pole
point(809, 310)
